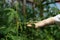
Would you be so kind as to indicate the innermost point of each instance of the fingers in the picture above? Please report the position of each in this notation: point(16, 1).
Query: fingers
point(35, 25)
point(29, 25)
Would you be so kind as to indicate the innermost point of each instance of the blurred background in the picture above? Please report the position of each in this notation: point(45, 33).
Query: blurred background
point(16, 14)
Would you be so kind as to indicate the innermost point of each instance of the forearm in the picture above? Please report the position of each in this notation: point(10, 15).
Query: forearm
point(44, 22)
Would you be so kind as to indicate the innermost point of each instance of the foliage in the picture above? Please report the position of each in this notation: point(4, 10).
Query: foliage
point(13, 23)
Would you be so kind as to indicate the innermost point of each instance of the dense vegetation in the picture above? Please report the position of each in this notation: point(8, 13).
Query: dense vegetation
point(13, 21)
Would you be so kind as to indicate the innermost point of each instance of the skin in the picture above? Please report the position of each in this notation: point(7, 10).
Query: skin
point(43, 22)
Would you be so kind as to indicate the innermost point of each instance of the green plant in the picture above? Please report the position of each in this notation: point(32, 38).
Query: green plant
point(13, 22)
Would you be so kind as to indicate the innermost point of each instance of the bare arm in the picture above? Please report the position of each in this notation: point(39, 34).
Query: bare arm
point(47, 21)
point(43, 22)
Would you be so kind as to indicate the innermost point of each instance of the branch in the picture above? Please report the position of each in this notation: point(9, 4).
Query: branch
point(31, 1)
point(52, 2)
